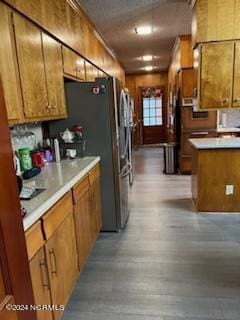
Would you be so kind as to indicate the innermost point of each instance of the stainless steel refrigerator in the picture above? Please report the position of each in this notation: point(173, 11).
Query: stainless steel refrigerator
point(96, 107)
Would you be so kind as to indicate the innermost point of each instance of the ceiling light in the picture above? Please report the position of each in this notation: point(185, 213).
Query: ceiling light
point(148, 68)
point(144, 30)
point(147, 58)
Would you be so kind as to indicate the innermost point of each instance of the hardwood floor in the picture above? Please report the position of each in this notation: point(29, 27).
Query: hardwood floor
point(168, 264)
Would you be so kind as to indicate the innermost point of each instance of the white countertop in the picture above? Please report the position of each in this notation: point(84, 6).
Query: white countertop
point(58, 179)
point(228, 129)
point(216, 143)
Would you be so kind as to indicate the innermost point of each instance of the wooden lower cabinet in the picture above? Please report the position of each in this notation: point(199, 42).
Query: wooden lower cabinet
point(83, 229)
point(40, 284)
point(95, 209)
point(61, 254)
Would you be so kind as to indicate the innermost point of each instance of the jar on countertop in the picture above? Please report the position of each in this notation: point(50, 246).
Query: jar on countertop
point(25, 159)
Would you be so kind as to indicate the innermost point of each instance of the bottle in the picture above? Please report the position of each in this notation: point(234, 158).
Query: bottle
point(56, 150)
point(25, 159)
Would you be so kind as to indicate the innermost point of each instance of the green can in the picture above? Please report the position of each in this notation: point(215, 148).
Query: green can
point(25, 159)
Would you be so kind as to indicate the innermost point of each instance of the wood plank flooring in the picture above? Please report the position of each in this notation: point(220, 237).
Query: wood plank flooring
point(169, 263)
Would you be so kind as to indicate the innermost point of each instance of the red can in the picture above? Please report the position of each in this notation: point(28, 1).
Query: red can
point(38, 159)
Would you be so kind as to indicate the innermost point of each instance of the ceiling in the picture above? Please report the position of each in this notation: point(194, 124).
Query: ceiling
point(116, 20)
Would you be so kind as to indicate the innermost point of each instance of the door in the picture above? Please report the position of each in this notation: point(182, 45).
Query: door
point(153, 111)
point(236, 79)
point(216, 74)
point(8, 66)
point(61, 256)
point(32, 69)
point(54, 76)
point(40, 283)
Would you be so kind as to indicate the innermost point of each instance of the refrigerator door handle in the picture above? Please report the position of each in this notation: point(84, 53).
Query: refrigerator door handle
point(127, 170)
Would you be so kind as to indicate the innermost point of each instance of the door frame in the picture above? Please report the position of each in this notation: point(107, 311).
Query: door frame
point(164, 109)
point(13, 251)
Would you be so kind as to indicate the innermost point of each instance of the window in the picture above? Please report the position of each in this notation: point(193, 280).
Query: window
point(152, 111)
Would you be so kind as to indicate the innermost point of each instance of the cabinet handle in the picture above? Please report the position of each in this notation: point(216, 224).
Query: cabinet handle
point(52, 254)
point(45, 279)
point(225, 100)
point(236, 100)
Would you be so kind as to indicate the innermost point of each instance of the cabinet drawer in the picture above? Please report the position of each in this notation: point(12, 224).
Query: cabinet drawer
point(34, 239)
point(57, 214)
point(94, 174)
point(80, 189)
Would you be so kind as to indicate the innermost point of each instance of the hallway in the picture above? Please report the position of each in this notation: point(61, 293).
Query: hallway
point(169, 263)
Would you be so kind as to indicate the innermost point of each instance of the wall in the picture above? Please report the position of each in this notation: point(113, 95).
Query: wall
point(133, 83)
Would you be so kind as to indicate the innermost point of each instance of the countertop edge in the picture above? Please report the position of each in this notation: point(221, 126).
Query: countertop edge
point(207, 145)
point(28, 221)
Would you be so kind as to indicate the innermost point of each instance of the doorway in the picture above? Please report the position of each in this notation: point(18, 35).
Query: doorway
point(153, 115)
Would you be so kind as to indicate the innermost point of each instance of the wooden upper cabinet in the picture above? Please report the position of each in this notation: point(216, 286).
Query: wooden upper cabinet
point(32, 69)
point(73, 64)
point(91, 72)
point(8, 67)
point(236, 79)
point(54, 76)
point(216, 75)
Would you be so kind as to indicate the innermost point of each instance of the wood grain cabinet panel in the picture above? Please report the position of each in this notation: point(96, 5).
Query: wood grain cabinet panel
point(62, 263)
point(216, 75)
point(95, 208)
point(83, 228)
point(32, 69)
point(8, 67)
point(40, 284)
point(73, 64)
point(54, 76)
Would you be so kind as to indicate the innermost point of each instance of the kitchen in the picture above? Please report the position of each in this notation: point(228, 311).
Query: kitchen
point(68, 94)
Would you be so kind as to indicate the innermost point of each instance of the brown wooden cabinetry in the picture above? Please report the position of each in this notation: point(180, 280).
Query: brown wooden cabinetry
point(73, 65)
point(95, 202)
point(8, 67)
point(91, 72)
point(82, 220)
point(54, 76)
point(40, 65)
point(219, 75)
point(216, 20)
point(32, 69)
point(40, 284)
point(216, 75)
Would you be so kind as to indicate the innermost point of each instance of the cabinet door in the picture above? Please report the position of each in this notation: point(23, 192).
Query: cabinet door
point(83, 229)
point(216, 75)
point(236, 79)
point(31, 66)
point(61, 255)
point(54, 75)
point(80, 68)
point(8, 66)
point(69, 62)
point(40, 284)
point(89, 72)
point(95, 209)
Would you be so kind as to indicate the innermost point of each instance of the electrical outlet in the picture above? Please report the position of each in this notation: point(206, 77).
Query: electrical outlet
point(229, 189)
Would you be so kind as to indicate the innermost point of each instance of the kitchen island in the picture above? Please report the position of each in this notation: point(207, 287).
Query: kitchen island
point(216, 174)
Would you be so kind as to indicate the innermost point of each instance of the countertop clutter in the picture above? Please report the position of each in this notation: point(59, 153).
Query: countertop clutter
point(58, 179)
point(216, 143)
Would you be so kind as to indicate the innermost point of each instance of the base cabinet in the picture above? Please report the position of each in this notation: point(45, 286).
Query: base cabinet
point(40, 283)
point(61, 257)
point(58, 245)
